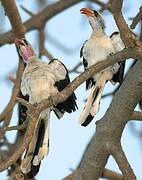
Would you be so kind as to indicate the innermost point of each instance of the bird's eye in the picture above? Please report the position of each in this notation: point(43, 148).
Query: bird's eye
point(96, 13)
point(25, 42)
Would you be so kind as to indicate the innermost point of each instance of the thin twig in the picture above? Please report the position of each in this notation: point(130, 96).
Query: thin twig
point(37, 20)
point(136, 19)
point(111, 175)
point(126, 34)
point(27, 11)
point(20, 127)
point(136, 116)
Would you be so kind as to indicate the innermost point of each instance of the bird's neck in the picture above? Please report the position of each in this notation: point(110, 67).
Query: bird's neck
point(96, 27)
point(97, 33)
point(32, 60)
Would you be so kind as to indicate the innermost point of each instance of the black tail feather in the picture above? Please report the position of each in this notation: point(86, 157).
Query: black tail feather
point(88, 120)
point(22, 110)
point(40, 137)
point(33, 172)
point(69, 105)
point(90, 83)
point(95, 94)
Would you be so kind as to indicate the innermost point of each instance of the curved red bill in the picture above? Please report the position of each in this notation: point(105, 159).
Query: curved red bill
point(87, 11)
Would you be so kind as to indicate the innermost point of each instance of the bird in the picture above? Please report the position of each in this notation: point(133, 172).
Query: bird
point(41, 80)
point(97, 48)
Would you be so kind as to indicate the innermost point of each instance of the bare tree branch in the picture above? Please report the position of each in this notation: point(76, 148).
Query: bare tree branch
point(123, 102)
point(136, 116)
point(137, 19)
point(20, 127)
point(119, 156)
point(111, 175)
point(39, 19)
point(126, 35)
point(27, 11)
point(18, 30)
point(12, 12)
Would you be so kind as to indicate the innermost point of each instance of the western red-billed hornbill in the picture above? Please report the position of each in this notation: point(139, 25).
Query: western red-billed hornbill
point(97, 48)
point(41, 80)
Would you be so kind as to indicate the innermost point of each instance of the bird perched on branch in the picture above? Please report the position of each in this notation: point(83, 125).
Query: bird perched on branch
point(97, 48)
point(40, 81)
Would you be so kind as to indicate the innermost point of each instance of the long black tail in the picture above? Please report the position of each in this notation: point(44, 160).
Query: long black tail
point(39, 142)
point(35, 153)
point(92, 105)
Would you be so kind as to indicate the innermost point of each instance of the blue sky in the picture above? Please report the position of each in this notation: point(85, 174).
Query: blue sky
point(67, 138)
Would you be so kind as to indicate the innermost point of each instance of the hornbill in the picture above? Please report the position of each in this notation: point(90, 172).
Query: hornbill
point(97, 48)
point(40, 81)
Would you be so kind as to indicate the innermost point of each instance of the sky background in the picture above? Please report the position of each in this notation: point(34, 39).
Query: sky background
point(67, 138)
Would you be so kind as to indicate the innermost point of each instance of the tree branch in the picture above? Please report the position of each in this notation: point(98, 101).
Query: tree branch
point(32, 122)
point(18, 30)
point(119, 112)
point(136, 19)
point(111, 175)
point(119, 156)
point(126, 35)
point(136, 116)
point(20, 127)
point(12, 12)
point(36, 21)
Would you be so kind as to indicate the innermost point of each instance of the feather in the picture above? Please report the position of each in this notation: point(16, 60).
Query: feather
point(92, 105)
point(58, 113)
point(22, 110)
point(69, 105)
point(89, 82)
point(37, 150)
point(118, 46)
point(32, 169)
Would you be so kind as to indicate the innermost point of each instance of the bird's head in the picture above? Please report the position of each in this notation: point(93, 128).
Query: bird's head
point(24, 49)
point(95, 18)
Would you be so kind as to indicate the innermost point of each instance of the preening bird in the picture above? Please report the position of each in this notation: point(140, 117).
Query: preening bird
point(40, 81)
point(97, 48)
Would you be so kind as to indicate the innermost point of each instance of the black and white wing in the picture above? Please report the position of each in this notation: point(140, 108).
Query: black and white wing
point(61, 72)
point(89, 82)
point(118, 46)
point(22, 110)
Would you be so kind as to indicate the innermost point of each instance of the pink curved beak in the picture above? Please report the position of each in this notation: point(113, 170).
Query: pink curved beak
point(18, 41)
